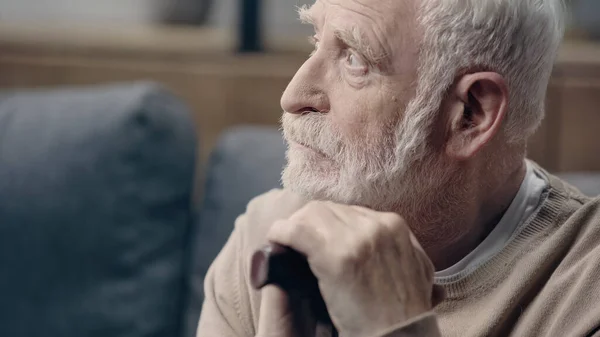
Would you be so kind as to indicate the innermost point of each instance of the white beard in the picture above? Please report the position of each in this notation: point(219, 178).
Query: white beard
point(360, 171)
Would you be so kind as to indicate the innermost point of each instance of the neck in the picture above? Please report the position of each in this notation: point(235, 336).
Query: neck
point(475, 210)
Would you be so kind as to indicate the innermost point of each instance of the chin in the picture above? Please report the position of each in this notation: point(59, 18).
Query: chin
point(311, 177)
point(382, 188)
point(315, 179)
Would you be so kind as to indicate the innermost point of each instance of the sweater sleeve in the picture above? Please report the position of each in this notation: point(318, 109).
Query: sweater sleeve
point(221, 312)
point(421, 326)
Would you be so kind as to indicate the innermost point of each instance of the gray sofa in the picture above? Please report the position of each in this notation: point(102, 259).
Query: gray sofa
point(100, 232)
point(246, 162)
point(95, 211)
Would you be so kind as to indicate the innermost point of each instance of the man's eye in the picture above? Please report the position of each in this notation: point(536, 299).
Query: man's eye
point(355, 61)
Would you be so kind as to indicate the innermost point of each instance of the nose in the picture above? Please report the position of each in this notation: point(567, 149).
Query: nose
point(306, 91)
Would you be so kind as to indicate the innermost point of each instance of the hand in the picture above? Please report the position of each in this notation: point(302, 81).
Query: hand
point(372, 272)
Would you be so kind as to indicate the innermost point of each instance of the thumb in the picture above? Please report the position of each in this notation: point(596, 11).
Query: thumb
point(283, 316)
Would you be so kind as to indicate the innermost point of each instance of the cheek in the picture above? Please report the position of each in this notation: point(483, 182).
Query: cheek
point(367, 119)
point(353, 113)
point(369, 114)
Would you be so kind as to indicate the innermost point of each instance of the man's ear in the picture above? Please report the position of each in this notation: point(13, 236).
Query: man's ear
point(477, 107)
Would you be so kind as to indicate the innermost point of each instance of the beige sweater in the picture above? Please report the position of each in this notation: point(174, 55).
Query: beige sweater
point(545, 282)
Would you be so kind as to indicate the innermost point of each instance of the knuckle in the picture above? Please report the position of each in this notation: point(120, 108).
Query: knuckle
point(377, 233)
point(394, 218)
point(373, 229)
point(394, 221)
point(349, 259)
point(363, 252)
point(347, 262)
point(279, 231)
point(300, 227)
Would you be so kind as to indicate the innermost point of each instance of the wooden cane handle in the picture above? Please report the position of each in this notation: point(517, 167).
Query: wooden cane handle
point(282, 266)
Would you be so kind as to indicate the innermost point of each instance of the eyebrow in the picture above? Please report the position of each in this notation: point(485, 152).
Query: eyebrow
point(353, 38)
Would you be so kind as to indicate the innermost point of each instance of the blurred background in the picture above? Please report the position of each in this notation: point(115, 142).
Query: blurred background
point(133, 132)
point(193, 48)
point(190, 46)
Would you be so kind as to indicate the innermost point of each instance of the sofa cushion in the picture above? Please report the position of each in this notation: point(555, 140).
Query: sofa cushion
point(95, 186)
point(246, 162)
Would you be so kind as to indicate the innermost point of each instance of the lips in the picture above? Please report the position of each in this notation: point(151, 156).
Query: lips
point(307, 147)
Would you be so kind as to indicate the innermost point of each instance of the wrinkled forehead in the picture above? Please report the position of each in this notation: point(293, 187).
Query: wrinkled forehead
point(389, 26)
point(387, 14)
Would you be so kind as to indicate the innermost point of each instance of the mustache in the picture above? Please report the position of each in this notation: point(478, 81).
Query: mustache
point(313, 130)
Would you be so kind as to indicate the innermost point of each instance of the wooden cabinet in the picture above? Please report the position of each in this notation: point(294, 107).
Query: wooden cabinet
point(224, 89)
point(579, 126)
point(568, 139)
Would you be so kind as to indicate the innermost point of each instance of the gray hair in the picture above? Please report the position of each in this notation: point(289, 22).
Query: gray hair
point(518, 39)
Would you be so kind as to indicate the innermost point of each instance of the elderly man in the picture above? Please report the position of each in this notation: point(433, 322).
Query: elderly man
point(407, 131)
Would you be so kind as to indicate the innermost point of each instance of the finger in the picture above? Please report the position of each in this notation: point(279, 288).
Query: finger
point(276, 307)
point(350, 216)
point(392, 222)
point(366, 212)
point(304, 237)
point(275, 316)
point(321, 213)
point(282, 315)
point(314, 227)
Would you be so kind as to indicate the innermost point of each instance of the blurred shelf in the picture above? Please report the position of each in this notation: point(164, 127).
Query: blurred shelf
point(198, 64)
point(579, 58)
point(138, 40)
point(567, 140)
point(200, 50)
point(580, 51)
point(225, 89)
